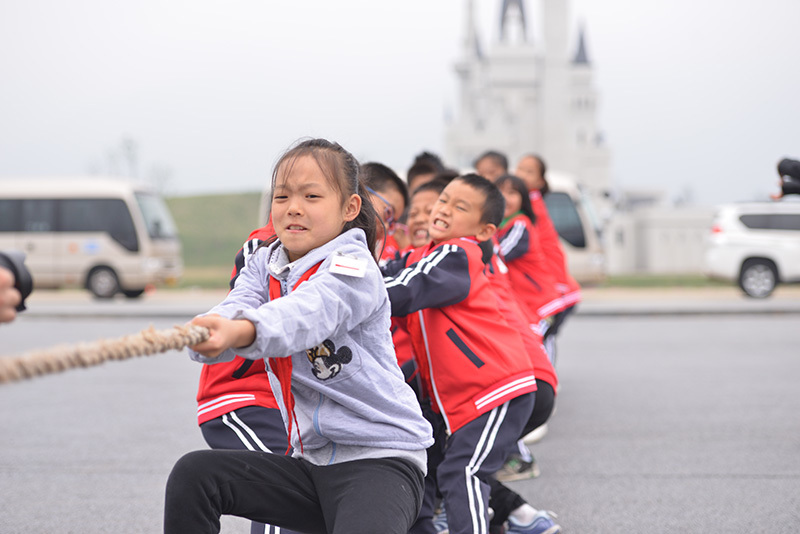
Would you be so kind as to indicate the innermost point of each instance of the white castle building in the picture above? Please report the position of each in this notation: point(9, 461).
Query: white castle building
point(535, 94)
point(529, 94)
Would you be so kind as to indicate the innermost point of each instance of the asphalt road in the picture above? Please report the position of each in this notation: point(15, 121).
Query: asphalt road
point(663, 424)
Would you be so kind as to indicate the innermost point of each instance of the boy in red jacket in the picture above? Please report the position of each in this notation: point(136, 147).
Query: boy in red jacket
point(476, 376)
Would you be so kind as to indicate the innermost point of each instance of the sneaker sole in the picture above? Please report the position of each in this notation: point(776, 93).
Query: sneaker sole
point(510, 477)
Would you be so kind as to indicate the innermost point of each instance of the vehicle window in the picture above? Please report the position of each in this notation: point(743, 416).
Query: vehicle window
point(787, 221)
point(38, 215)
point(566, 219)
point(771, 221)
point(156, 216)
point(9, 215)
point(108, 215)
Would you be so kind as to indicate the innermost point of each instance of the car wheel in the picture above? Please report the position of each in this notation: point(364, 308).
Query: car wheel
point(103, 283)
point(758, 278)
point(133, 293)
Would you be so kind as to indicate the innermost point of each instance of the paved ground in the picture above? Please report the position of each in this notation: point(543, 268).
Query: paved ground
point(674, 424)
point(596, 301)
point(669, 420)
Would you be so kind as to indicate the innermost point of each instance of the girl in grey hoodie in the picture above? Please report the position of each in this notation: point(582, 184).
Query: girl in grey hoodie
point(313, 304)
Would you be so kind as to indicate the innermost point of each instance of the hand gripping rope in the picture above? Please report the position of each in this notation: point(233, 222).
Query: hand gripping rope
point(63, 357)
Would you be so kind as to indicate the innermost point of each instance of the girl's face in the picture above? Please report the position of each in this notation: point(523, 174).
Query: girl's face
point(513, 200)
point(306, 211)
point(419, 217)
point(530, 171)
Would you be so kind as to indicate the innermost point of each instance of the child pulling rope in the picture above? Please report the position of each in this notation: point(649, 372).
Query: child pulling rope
point(63, 357)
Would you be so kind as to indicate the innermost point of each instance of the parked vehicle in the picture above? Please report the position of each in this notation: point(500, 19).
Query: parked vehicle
point(756, 245)
point(106, 235)
point(572, 215)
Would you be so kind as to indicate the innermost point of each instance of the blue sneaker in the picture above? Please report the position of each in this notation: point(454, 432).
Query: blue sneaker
point(440, 521)
point(542, 524)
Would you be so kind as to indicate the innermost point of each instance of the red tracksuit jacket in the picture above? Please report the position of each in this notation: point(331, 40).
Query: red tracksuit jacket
point(469, 358)
point(535, 284)
point(241, 382)
point(551, 245)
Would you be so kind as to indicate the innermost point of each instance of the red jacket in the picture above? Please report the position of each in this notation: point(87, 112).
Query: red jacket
point(551, 245)
point(534, 282)
point(497, 272)
point(389, 249)
point(228, 386)
point(468, 355)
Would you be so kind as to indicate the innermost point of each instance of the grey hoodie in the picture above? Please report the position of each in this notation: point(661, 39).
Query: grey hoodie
point(351, 400)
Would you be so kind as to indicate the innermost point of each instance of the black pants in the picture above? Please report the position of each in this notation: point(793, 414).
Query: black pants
point(254, 428)
point(504, 500)
point(461, 467)
point(358, 497)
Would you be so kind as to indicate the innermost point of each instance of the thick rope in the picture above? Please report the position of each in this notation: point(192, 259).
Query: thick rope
point(63, 357)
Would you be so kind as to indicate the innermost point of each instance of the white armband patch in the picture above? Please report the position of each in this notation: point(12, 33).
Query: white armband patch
point(349, 265)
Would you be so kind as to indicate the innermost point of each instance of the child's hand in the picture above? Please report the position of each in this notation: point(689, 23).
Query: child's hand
point(224, 334)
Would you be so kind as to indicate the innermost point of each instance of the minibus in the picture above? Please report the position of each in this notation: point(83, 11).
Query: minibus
point(109, 236)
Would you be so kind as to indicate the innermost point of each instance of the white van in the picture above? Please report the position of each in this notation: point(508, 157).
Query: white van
point(106, 235)
point(756, 244)
point(572, 215)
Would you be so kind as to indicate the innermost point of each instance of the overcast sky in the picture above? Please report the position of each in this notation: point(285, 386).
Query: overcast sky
point(695, 95)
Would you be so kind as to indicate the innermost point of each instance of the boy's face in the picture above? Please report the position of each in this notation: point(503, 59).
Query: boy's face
point(457, 213)
point(419, 217)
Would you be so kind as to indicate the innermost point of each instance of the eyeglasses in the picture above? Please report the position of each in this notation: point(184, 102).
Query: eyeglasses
point(388, 212)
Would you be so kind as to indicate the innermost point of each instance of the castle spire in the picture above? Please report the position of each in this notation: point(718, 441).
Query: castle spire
point(472, 45)
point(504, 18)
point(581, 57)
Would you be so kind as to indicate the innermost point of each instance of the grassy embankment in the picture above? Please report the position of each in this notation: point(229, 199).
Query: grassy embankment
point(213, 227)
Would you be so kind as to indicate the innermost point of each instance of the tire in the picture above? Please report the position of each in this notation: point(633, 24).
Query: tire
point(758, 278)
point(103, 283)
point(133, 293)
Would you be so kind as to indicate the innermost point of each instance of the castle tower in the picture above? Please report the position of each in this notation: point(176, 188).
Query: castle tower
point(525, 96)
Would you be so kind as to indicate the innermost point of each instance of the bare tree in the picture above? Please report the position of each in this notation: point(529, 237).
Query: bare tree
point(160, 176)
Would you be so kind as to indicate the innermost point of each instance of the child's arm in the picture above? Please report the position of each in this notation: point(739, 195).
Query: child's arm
point(439, 279)
point(392, 267)
point(247, 292)
point(320, 308)
point(225, 334)
point(515, 243)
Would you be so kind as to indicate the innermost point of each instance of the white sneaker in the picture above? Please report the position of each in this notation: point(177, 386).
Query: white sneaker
point(536, 435)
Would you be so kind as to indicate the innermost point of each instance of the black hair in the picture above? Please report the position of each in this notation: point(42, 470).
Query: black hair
point(447, 175)
point(342, 170)
point(494, 204)
point(418, 169)
point(520, 187)
point(380, 178)
point(435, 185)
point(429, 158)
point(495, 156)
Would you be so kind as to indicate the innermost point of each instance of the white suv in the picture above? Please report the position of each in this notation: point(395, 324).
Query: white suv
point(756, 244)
